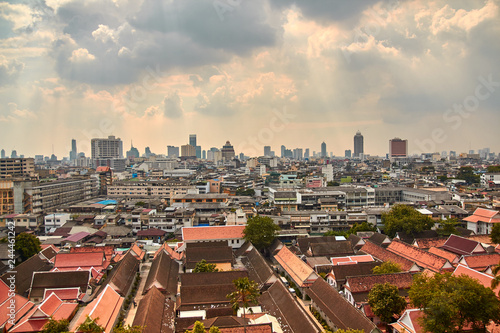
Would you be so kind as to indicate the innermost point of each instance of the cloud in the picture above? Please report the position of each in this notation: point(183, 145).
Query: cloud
point(9, 70)
point(172, 106)
point(81, 55)
point(13, 114)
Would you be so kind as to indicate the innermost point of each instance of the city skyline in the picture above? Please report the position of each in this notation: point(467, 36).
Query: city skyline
point(261, 73)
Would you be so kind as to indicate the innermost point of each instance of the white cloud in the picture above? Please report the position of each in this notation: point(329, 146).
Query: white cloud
point(81, 55)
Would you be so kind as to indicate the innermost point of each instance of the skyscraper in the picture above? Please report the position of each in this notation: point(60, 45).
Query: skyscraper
point(133, 152)
point(192, 140)
point(347, 153)
point(13, 154)
point(306, 153)
point(73, 153)
point(227, 152)
point(398, 148)
point(267, 150)
point(323, 150)
point(105, 150)
point(358, 144)
point(172, 151)
point(283, 149)
point(2, 154)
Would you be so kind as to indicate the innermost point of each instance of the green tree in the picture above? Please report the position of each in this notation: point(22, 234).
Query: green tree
point(405, 218)
point(128, 329)
point(90, 326)
point(214, 329)
point(362, 227)
point(493, 168)
point(55, 326)
point(385, 301)
point(496, 278)
point(349, 331)
point(387, 267)
point(260, 231)
point(203, 266)
point(467, 173)
point(448, 227)
point(443, 178)
point(450, 303)
point(197, 328)
point(27, 245)
point(495, 233)
point(246, 292)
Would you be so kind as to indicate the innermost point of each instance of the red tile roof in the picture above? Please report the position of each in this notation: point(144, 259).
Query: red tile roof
point(69, 260)
point(422, 258)
point(212, 233)
point(385, 255)
point(352, 259)
point(298, 270)
point(481, 262)
point(365, 283)
point(462, 246)
point(452, 257)
point(483, 278)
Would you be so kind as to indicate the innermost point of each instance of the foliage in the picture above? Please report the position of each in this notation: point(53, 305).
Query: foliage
point(496, 278)
point(197, 328)
point(90, 326)
point(55, 326)
point(443, 178)
point(495, 233)
point(448, 227)
point(387, 267)
point(349, 331)
point(260, 231)
point(332, 183)
point(140, 203)
point(203, 266)
point(493, 168)
point(250, 192)
point(320, 319)
point(27, 245)
point(385, 301)
point(128, 329)
point(246, 292)
point(467, 173)
point(354, 229)
point(405, 218)
point(214, 329)
point(450, 303)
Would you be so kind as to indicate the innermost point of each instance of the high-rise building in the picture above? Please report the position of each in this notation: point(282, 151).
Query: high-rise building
point(204, 154)
point(267, 150)
point(172, 151)
point(2, 153)
point(347, 153)
point(283, 149)
point(73, 152)
point(188, 151)
point(323, 150)
point(306, 153)
point(198, 151)
point(13, 154)
point(133, 152)
point(192, 140)
point(147, 152)
point(297, 154)
point(358, 144)
point(398, 148)
point(105, 150)
point(227, 152)
point(11, 167)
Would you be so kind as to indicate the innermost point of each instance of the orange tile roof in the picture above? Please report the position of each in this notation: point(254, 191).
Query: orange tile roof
point(384, 255)
point(298, 270)
point(352, 259)
point(452, 257)
point(483, 278)
point(427, 243)
point(67, 260)
point(22, 307)
point(211, 233)
point(365, 283)
point(173, 254)
point(484, 215)
point(481, 262)
point(421, 258)
point(106, 307)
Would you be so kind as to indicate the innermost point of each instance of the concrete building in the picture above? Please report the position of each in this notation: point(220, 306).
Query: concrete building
point(323, 150)
point(358, 145)
point(227, 152)
point(173, 151)
point(54, 221)
point(108, 152)
point(13, 167)
point(188, 151)
point(398, 148)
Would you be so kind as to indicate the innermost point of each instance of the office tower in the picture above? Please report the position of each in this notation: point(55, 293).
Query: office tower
point(358, 144)
point(283, 148)
point(227, 152)
point(2, 154)
point(188, 151)
point(398, 148)
point(297, 154)
point(204, 154)
point(192, 140)
point(103, 151)
point(347, 153)
point(306, 153)
point(73, 153)
point(198, 151)
point(267, 150)
point(172, 151)
point(147, 152)
point(323, 150)
point(13, 154)
point(453, 154)
point(242, 156)
point(133, 152)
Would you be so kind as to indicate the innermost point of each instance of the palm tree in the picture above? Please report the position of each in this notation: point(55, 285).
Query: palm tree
point(246, 292)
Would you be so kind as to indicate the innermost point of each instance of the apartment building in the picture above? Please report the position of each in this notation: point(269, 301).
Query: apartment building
point(14, 167)
point(147, 189)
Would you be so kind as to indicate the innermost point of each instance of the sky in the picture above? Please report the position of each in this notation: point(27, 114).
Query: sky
point(254, 72)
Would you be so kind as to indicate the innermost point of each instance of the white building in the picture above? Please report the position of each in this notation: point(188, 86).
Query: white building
point(54, 221)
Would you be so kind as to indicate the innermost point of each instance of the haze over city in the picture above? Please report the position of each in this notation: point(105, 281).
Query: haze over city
point(154, 72)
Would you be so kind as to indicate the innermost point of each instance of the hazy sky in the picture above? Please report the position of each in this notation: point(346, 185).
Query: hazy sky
point(255, 72)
